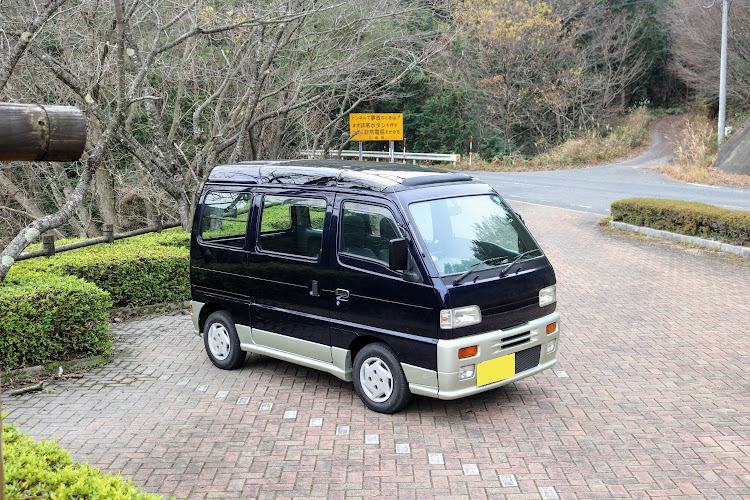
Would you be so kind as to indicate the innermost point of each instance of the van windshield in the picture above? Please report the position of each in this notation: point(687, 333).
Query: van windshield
point(463, 231)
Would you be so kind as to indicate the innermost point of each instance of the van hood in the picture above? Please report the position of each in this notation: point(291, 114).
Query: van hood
point(506, 301)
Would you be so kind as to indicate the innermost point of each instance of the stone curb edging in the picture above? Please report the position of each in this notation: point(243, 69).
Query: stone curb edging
point(694, 240)
point(52, 368)
point(151, 308)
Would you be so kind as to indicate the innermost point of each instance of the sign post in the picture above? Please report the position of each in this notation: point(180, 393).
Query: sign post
point(471, 148)
point(377, 127)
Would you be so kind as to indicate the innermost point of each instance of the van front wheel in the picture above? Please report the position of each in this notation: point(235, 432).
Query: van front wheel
point(221, 341)
point(379, 380)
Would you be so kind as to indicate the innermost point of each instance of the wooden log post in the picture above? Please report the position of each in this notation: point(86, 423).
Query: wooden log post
point(32, 132)
point(108, 231)
point(48, 244)
point(156, 222)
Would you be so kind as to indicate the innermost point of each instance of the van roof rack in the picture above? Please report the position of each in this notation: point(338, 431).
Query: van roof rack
point(372, 176)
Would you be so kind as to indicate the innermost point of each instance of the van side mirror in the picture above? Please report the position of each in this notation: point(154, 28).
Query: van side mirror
point(520, 218)
point(398, 254)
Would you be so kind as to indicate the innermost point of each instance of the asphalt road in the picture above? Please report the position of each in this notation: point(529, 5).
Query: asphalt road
point(594, 189)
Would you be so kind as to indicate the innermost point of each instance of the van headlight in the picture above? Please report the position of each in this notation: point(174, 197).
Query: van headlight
point(547, 296)
point(460, 316)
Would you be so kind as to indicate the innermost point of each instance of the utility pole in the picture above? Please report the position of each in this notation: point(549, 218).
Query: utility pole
point(723, 72)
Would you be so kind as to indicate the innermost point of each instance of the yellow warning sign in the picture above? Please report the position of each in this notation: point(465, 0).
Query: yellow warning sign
point(376, 126)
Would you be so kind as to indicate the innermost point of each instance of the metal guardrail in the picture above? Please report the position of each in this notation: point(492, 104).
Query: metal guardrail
point(397, 157)
point(48, 241)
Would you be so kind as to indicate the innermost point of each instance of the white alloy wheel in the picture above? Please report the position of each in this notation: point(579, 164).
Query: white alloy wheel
point(218, 341)
point(376, 379)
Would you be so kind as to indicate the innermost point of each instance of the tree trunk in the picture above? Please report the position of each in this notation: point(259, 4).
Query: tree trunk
point(39, 226)
point(105, 198)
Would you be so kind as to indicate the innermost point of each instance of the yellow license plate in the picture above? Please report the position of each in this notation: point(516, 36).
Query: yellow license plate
point(496, 369)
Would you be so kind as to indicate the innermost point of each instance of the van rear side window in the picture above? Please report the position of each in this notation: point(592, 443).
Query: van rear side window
point(224, 218)
point(292, 225)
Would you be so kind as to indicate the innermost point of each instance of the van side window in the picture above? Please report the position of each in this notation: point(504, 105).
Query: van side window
point(224, 218)
point(292, 225)
point(367, 230)
point(317, 217)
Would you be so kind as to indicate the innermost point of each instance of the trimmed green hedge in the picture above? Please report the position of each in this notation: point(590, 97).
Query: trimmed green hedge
point(55, 309)
point(147, 269)
point(45, 318)
point(694, 219)
point(44, 470)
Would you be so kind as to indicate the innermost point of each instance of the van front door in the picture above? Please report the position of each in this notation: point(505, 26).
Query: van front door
point(287, 269)
point(369, 299)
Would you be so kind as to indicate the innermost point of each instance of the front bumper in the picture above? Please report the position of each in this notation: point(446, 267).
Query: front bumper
point(528, 343)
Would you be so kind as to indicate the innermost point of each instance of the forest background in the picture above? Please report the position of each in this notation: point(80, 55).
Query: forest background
point(171, 88)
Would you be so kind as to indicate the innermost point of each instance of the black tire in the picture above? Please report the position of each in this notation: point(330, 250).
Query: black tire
point(381, 385)
point(221, 341)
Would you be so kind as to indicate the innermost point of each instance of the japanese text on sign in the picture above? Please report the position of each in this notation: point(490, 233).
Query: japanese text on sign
point(376, 126)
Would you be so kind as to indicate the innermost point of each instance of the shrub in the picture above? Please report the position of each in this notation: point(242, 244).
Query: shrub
point(592, 147)
point(44, 470)
point(46, 318)
point(695, 219)
point(147, 269)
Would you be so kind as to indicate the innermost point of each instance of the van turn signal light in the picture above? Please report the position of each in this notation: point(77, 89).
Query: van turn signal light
point(467, 352)
point(551, 328)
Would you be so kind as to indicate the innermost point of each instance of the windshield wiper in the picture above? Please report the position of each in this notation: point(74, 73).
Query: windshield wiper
point(516, 259)
point(474, 266)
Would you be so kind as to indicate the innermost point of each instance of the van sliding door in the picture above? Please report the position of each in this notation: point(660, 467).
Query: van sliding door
point(287, 274)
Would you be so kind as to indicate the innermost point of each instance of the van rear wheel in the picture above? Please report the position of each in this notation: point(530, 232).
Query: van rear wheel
point(221, 341)
point(379, 380)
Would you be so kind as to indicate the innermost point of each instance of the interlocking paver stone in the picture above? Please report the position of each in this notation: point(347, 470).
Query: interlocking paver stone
point(654, 340)
point(470, 469)
point(508, 480)
point(548, 492)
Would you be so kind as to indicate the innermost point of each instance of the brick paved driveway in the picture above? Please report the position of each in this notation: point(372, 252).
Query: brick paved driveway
point(650, 398)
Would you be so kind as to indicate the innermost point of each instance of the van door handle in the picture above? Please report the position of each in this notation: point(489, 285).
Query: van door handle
point(342, 294)
point(314, 288)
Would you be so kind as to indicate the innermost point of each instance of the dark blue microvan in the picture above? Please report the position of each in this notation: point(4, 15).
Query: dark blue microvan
point(402, 279)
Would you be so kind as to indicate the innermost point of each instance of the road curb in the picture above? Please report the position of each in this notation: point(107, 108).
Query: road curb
point(683, 238)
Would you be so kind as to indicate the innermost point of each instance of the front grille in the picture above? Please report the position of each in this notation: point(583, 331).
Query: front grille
point(515, 340)
point(528, 358)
